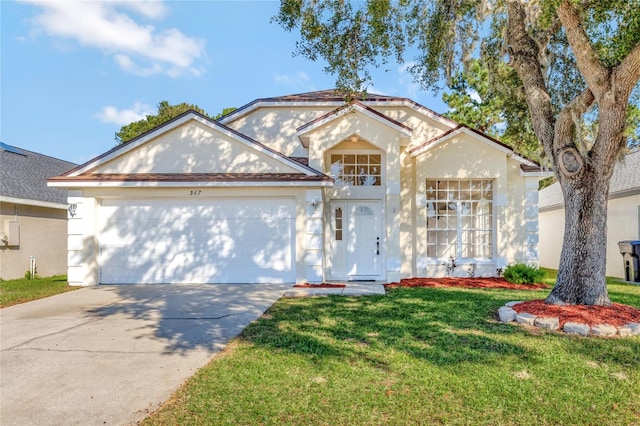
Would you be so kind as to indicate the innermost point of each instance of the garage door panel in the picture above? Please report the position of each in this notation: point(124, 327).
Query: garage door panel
point(152, 242)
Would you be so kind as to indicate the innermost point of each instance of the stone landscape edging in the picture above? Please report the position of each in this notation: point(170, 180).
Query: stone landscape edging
point(507, 314)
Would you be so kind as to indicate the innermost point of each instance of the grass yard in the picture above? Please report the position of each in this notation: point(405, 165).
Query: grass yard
point(23, 290)
point(415, 356)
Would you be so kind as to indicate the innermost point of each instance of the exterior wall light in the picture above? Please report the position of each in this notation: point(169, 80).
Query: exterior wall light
point(315, 203)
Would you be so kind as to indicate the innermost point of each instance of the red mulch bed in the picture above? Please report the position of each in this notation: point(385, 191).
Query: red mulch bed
point(616, 315)
point(466, 283)
point(322, 285)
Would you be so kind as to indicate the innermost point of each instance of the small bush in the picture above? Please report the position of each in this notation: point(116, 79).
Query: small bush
point(520, 273)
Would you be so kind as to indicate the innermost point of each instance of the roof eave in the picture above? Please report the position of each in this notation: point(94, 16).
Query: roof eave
point(156, 184)
point(35, 203)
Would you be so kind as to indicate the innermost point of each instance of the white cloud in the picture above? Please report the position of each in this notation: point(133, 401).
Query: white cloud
point(403, 86)
point(111, 114)
point(405, 79)
point(474, 95)
point(136, 47)
point(299, 79)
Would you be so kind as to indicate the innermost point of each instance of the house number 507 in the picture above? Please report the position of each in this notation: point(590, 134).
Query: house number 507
point(195, 192)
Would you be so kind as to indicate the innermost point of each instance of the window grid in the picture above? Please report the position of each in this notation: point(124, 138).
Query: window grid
point(459, 218)
point(357, 169)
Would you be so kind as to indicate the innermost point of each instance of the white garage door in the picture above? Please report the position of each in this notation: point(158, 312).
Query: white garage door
point(197, 241)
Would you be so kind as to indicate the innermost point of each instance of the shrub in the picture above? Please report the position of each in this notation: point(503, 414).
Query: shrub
point(520, 273)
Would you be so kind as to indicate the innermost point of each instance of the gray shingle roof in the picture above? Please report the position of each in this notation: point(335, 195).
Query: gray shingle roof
point(24, 174)
point(625, 179)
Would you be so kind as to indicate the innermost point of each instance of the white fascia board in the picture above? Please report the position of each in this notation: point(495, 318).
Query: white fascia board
point(36, 203)
point(405, 132)
point(550, 207)
point(523, 160)
point(104, 184)
point(540, 174)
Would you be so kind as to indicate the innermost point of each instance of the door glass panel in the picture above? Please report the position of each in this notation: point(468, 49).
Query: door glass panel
point(338, 224)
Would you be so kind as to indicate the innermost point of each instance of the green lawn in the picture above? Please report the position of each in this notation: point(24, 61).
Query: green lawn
point(23, 290)
point(416, 356)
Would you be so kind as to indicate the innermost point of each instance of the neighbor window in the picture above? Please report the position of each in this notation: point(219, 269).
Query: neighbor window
point(357, 169)
point(459, 218)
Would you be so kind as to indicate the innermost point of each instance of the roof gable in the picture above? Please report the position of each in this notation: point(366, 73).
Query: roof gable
point(191, 143)
point(353, 106)
point(191, 150)
point(530, 166)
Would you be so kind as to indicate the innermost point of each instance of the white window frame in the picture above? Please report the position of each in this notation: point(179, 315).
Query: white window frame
point(456, 205)
point(336, 174)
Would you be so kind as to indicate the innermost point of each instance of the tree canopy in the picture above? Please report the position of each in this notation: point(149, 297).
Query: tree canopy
point(577, 62)
point(493, 102)
point(165, 113)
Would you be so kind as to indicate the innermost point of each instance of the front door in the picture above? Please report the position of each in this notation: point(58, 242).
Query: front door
point(356, 246)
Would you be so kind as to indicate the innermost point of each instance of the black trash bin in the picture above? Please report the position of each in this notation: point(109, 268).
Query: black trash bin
point(630, 251)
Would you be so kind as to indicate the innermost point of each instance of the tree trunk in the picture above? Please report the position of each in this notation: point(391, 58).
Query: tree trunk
point(581, 274)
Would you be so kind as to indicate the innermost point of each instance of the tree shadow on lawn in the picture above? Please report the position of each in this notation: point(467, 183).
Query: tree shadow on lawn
point(440, 326)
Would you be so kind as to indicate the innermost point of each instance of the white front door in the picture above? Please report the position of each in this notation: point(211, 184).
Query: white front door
point(356, 240)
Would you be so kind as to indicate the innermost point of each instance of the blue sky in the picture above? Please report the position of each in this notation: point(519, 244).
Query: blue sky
point(72, 73)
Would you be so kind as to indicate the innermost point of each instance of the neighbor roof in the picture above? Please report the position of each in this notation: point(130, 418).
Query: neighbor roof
point(625, 181)
point(24, 174)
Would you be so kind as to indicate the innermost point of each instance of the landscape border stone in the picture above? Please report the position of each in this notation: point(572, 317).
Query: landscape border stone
point(507, 314)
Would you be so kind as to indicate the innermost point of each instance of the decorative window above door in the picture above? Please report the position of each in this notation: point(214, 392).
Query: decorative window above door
point(356, 169)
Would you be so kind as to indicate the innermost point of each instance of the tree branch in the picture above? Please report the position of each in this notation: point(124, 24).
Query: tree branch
point(525, 59)
point(627, 74)
point(593, 71)
point(569, 116)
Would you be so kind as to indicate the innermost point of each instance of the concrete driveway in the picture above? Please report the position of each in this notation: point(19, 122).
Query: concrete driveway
point(109, 355)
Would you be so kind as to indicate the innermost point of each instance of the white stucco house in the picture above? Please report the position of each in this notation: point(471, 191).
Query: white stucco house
point(623, 216)
point(301, 188)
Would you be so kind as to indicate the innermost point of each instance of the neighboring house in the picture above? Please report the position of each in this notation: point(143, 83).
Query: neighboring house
point(33, 217)
point(623, 215)
point(302, 188)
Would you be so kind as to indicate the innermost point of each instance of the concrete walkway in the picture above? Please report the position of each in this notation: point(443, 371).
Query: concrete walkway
point(109, 355)
point(350, 289)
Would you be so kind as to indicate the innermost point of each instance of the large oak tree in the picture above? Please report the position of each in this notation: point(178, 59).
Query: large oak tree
point(578, 62)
